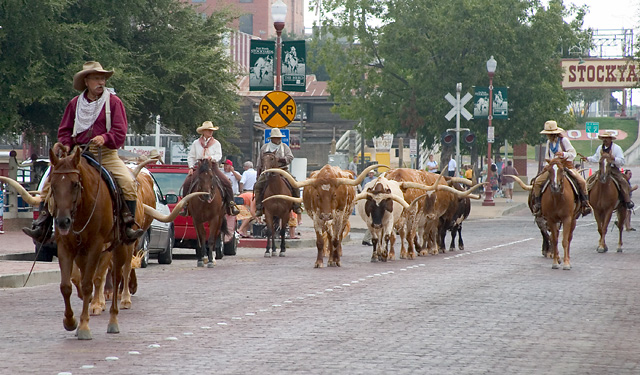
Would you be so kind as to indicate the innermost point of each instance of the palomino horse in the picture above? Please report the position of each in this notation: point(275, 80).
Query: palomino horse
point(604, 199)
point(559, 208)
point(208, 209)
point(277, 209)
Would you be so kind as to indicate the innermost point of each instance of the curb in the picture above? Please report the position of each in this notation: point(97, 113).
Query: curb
point(37, 278)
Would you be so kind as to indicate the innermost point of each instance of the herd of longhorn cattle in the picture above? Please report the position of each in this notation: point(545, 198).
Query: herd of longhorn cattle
point(395, 202)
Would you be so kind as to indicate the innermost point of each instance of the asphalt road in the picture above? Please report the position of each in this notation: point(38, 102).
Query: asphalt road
point(495, 308)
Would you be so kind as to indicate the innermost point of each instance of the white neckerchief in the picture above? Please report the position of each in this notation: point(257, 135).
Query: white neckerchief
point(272, 147)
point(87, 112)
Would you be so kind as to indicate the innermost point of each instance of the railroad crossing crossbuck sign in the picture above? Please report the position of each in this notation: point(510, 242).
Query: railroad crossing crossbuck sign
point(277, 109)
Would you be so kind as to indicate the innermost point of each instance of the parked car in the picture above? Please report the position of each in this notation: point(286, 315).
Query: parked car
point(170, 178)
point(158, 240)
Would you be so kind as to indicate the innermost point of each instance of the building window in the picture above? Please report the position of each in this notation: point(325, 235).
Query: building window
point(246, 24)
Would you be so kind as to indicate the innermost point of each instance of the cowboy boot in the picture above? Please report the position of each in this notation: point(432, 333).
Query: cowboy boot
point(295, 192)
point(586, 208)
point(129, 219)
point(40, 229)
point(233, 208)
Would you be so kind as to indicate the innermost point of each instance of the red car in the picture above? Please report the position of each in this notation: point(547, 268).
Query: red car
point(170, 178)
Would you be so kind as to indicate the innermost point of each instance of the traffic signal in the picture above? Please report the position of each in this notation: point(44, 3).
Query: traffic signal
point(448, 138)
point(468, 138)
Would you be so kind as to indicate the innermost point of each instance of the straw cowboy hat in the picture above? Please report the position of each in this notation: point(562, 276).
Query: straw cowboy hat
point(88, 68)
point(276, 133)
point(154, 154)
point(607, 134)
point(551, 127)
point(207, 125)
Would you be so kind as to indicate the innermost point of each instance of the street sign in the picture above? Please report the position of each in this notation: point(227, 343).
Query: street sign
point(285, 136)
point(490, 134)
point(277, 109)
point(463, 111)
point(413, 147)
point(593, 127)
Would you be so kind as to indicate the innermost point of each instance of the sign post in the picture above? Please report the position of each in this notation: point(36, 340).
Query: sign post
point(457, 110)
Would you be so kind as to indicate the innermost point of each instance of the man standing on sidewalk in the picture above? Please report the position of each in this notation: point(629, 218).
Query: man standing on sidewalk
point(508, 181)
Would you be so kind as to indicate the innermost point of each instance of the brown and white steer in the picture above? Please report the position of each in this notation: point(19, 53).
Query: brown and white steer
point(380, 205)
point(329, 197)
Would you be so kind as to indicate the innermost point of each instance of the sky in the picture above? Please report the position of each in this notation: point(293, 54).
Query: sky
point(603, 14)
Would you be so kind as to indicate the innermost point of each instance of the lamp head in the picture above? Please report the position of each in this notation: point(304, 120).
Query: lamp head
point(278, 11)
point(492, 64)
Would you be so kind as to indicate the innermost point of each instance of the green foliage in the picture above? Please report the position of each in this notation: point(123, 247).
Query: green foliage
point(392, 61)
point(168, 61)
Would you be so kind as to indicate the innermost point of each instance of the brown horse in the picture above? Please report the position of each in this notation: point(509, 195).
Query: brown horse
point(559, 208)
point(604, 199)
point(208, 209)
point(275, 210)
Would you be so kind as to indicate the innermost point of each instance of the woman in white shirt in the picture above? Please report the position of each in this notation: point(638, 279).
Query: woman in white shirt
point(432, 165)
point(207, 147)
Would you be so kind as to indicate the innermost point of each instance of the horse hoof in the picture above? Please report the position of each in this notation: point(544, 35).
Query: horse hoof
point(113, 328)
point(70, 326)
point(125, 305)
point(274, 254)
point(619, 250)
point(461, 248)
point(566, 267)
point(555, 266)
point(200, 263)
point(267, 255)
point(602, 250)
point(282, 254)
point(210, 265)
point(84, 334)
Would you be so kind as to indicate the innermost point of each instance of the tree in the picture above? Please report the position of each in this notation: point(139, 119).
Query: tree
point(398, 58)
point(168, 61)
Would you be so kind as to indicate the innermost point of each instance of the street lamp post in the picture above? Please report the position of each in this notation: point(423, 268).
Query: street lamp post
point(488, 193)
point(278, 13)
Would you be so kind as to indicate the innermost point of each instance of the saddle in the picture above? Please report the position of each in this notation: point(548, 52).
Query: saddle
point(572, 182)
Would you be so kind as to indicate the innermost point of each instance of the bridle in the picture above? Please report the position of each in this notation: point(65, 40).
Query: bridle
point(77, 190)
point(196, 182)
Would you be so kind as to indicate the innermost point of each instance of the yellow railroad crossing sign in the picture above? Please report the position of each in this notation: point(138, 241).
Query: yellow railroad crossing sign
point(277, 109)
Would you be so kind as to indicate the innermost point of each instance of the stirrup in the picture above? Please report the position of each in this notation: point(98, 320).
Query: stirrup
point(233, 209)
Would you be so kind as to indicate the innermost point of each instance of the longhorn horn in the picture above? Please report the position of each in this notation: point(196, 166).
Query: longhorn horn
point(360, 196)
point(284, 197)
point(416, 185)
point(34, 201)
point(520, 182)
point(361, 176)
point(290, 178)
point(461, 180)
point(418, 198)
point(148, 210)
point(400, 200)
point(458, 193)
point(142, 165)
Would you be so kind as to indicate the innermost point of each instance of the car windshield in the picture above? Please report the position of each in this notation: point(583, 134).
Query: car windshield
point(170, 183)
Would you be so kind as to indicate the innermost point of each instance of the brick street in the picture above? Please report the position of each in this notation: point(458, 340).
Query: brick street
point(495, 308)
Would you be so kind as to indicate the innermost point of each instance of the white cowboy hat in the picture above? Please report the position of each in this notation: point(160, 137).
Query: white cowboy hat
point(276, 133)
point(207, 125)
point(154, 154)
point(607, 134)
point(551, 127)
point(88, 68)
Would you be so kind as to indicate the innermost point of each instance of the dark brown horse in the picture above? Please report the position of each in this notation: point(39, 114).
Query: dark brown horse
point(208, 209)
point(276, 211)
point(559, 208)
point(604, 199)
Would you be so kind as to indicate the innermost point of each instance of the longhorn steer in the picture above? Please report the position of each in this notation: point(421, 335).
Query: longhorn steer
point(380, 205)
point(329, 197)
point(452, 219)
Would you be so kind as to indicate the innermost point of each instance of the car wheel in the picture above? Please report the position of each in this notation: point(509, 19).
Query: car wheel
point(144, 262)
point(166, 257)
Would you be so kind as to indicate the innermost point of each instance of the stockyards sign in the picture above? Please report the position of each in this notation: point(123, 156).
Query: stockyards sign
point(599, 74)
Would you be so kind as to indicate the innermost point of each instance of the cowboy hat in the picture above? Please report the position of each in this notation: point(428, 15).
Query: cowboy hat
point(551, 127)
point(207, 125)
point(276, 133)
point(154, 154)
point(88, 68)
point(607, 134)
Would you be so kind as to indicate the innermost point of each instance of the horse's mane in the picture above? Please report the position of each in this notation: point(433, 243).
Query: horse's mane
point(206, 165)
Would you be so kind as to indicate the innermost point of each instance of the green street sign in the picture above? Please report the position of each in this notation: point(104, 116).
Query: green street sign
point(593, 127)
